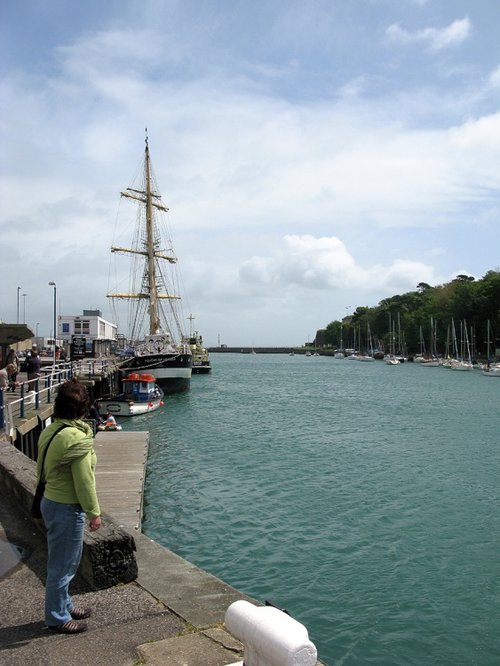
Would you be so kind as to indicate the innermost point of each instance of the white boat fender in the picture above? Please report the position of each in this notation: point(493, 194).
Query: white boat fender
point(270, 637)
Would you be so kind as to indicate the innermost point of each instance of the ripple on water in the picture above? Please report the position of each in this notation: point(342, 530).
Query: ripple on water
point(363, 498)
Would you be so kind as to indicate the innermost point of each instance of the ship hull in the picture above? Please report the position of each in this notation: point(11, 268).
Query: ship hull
point(121, 406)
point(202, 369)
point(172, 372)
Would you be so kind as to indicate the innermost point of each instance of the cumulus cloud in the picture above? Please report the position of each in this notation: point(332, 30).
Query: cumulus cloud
point(356, 184)
point(353, 88)
point(435, 39)
point(325, 263)
point(314, 263)
point(495, 78)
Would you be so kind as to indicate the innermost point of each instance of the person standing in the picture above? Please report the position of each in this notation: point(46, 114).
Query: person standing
point(34, 364)
point(11, 359)
point(70, 496)
point(94, 413)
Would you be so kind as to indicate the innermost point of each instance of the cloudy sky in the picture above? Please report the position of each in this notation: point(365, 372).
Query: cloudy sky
point(316, 155)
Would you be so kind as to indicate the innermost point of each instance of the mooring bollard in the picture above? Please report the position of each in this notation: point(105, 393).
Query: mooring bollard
point(270, 637)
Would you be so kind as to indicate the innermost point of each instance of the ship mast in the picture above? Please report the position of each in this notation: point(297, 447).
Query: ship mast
point(154, 318)
point(151, 201)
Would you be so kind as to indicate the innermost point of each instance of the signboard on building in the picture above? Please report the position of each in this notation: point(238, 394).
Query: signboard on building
point(77, 347)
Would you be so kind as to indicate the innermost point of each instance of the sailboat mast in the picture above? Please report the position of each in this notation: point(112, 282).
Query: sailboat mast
point(154, 318)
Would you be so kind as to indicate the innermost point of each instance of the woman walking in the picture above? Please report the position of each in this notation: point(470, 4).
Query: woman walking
point(70, 495)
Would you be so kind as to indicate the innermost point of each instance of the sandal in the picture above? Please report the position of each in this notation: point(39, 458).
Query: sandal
point(80, 613)
point(69, 627)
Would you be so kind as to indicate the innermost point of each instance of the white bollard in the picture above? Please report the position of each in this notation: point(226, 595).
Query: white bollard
point(270, 637)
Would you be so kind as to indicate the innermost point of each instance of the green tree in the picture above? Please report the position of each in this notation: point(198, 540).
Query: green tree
point(464, 301)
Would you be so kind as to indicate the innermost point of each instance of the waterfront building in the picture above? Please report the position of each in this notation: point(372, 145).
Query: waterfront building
point(89, 332)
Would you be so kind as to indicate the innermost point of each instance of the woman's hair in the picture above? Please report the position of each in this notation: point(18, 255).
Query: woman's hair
point(72, 401)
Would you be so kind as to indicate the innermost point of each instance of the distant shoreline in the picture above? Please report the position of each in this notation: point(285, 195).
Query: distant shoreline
point(257, 350)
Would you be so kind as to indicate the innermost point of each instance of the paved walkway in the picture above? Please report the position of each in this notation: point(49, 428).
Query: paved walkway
point(172, 615)
point(120, 474)
point(131, 624)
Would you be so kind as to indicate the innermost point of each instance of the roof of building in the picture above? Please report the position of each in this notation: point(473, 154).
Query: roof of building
point(12, 333)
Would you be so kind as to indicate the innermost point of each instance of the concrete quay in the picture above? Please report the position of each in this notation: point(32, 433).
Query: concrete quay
point(172, 615)
point(150, 606)
point(167, 612)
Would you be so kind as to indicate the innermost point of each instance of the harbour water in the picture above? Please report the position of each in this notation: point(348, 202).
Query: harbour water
point(361, 497)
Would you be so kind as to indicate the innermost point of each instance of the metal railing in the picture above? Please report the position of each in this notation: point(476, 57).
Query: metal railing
point(35, 393)
point(94, 367)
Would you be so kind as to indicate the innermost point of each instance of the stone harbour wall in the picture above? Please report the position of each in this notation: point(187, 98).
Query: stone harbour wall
point(108, 554)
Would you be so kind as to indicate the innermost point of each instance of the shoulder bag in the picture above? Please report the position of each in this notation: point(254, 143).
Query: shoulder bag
point(40, 488)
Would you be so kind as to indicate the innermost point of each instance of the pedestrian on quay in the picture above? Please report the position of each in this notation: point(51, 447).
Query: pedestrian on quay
point(7, 377)
point(33, 364)
point(93, 414)
point(11, 359)
point(70, 495)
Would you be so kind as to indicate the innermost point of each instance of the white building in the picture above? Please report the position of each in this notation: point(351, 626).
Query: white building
point(89, 326)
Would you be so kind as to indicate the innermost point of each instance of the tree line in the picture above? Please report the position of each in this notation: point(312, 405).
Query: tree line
point(423, 321)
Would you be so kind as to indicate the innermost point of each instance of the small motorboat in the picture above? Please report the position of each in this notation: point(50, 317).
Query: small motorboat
point(140, 395)
point(112, 427)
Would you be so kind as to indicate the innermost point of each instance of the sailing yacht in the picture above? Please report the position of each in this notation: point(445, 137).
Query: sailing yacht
point(490, 369)
point(433, 361)
point(339, 353)
point(462, 360)
point(390, 358)
point(368, 356)
point(155, 332)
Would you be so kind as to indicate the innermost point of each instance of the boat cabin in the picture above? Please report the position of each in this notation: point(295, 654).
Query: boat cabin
point(140, 387)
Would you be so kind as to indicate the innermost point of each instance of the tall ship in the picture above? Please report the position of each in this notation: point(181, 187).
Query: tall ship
point(155, 337)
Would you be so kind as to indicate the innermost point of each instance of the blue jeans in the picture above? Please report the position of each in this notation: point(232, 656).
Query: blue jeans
point(65, 524)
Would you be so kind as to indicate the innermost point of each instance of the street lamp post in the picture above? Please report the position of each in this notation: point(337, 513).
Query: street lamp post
point(24, 308)
point(53, 284)
point(18, 292)
point(36, 331)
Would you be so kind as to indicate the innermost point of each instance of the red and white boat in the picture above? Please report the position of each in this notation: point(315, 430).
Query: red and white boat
point(140, 395)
